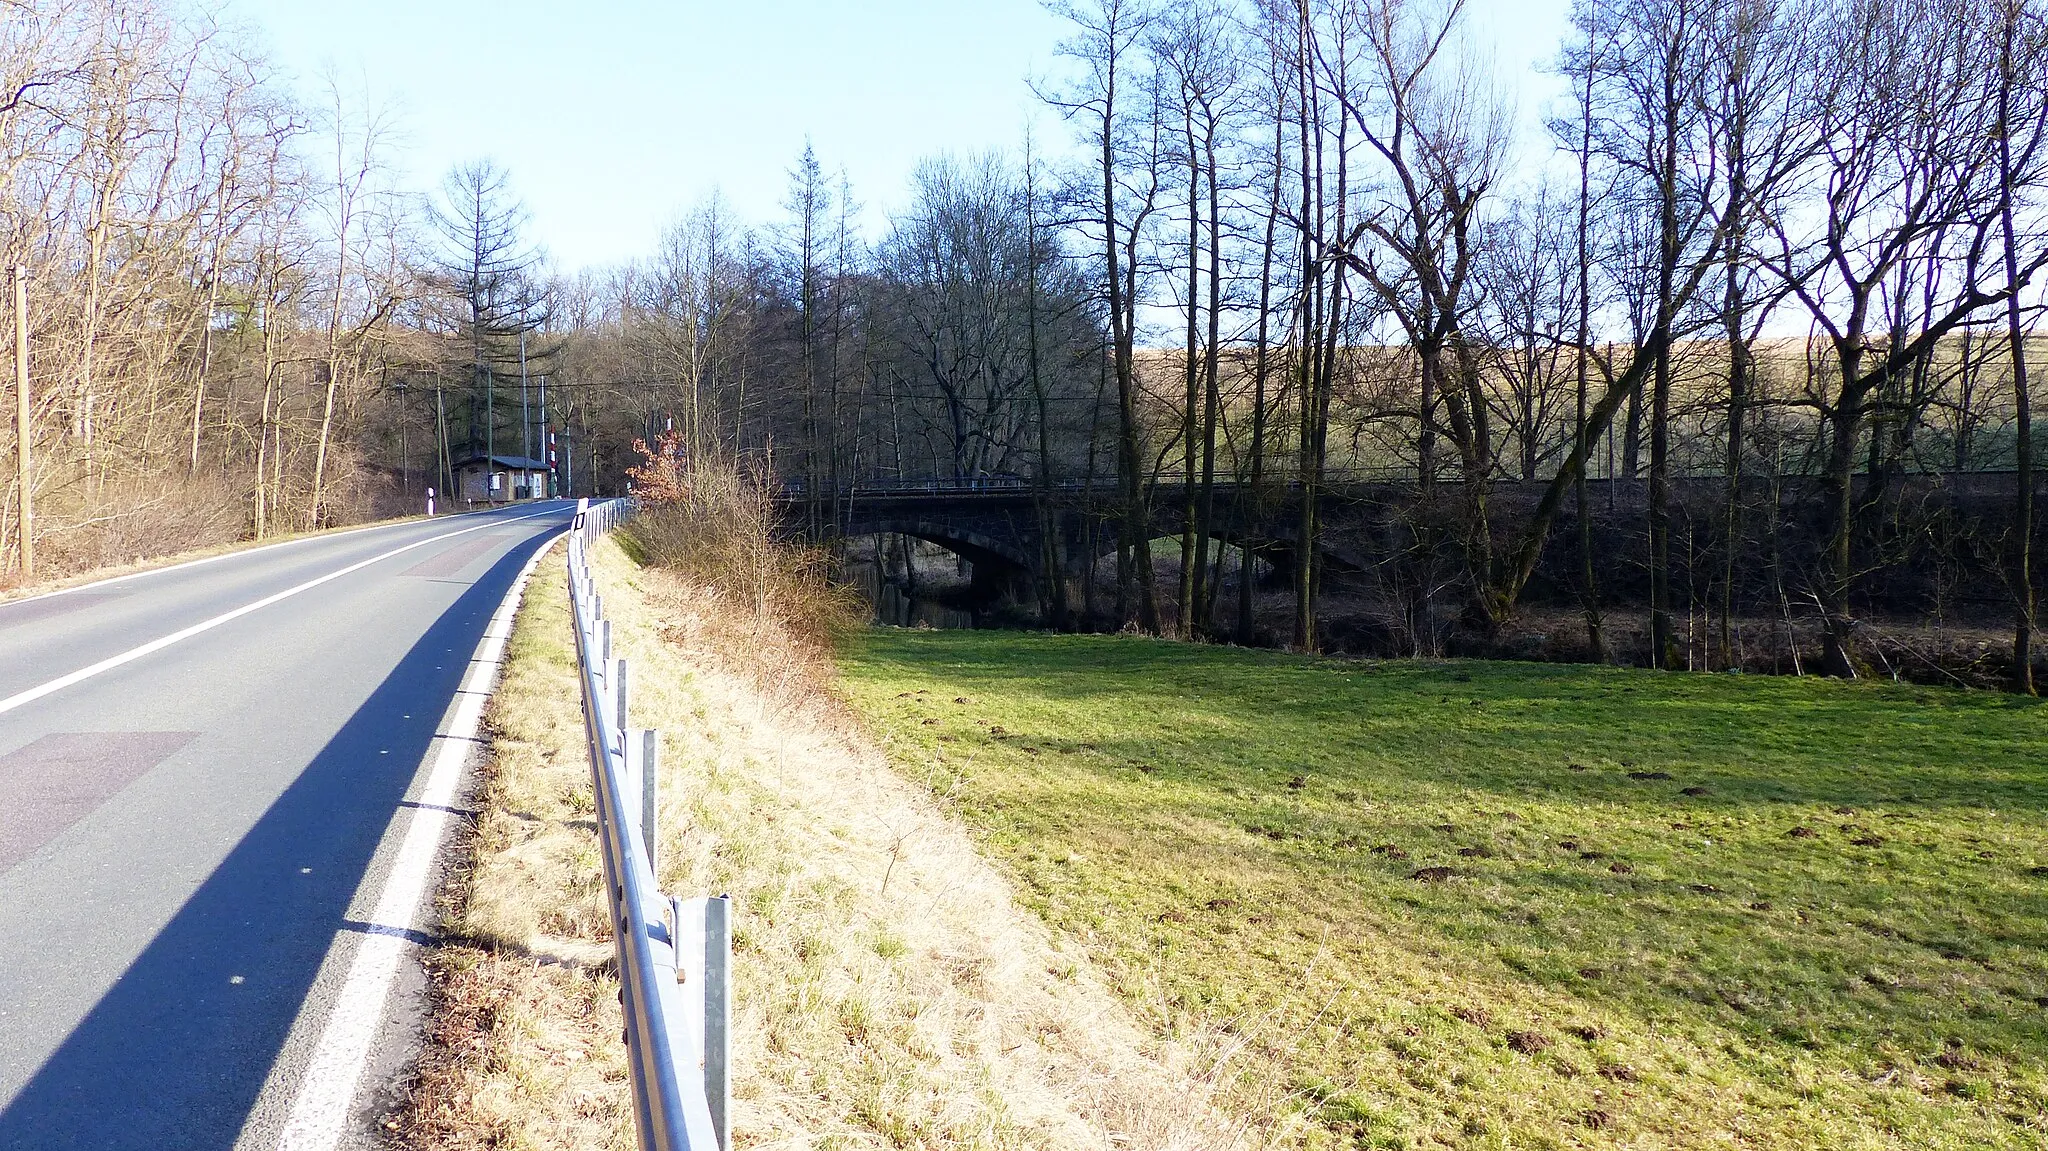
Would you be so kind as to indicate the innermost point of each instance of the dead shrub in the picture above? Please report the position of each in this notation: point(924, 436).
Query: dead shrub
point(712, 520)
point(130, 519)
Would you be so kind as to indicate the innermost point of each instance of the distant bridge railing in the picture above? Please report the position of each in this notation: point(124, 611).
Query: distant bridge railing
point(793, 489)
point(1333, 480)
point(675, 955)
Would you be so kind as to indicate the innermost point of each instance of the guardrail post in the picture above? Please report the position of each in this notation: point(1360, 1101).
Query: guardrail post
point(619, 715)
point(630, 764)
point(702, 933)
point(650, 794)
point(718, 1014)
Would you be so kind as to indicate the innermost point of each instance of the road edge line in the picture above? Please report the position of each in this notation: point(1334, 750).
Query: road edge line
point(335, 1068)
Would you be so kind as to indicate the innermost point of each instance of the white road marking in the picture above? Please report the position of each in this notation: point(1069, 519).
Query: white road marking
point(156, 645)
point(335, 1069)
point(235, 553)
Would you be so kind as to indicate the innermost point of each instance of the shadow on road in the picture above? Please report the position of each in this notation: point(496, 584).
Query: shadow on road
point(175, 1054)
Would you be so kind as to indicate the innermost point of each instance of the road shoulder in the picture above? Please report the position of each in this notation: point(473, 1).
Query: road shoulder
point(887, 985)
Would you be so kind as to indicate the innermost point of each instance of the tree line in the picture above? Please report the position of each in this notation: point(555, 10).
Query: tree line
point(1303, 246)
point(237, 326)
point(1768, 237)
point(1293, 246)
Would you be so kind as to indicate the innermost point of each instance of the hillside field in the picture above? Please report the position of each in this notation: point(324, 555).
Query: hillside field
point(1518, 905)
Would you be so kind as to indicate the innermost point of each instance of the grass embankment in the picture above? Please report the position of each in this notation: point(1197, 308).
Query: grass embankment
point(888, 992)
point(1495, 904)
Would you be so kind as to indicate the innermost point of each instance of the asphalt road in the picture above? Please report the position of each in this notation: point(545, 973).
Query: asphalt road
point(191, 840)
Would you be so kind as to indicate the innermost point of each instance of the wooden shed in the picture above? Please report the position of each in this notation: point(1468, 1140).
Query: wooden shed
point(501, 479)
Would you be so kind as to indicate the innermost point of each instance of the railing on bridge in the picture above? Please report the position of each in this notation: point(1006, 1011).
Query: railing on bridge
point(675, 955)
point(793, 489)
point(1335, 480)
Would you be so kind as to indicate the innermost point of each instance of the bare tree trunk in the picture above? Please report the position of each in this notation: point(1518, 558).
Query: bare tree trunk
point(1190, 589)
point(316, 507)
point(1249, 503)
point(206, 342)
point(1589, 590)
point(1212, 398)
point(263, 433)
point(1663, 644)
point(2023, 478)
point(1735, 319)
point(1053, 591)
point(1844, 429)
point(1308, 347)
point(24, 431)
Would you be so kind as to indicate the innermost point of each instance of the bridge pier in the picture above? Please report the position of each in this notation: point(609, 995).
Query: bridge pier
point(995, 584)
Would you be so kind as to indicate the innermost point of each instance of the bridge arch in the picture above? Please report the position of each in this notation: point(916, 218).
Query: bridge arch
point(1275, 551)
point(976, 547)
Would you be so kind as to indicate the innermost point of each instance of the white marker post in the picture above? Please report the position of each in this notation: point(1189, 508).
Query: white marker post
point(430, 501)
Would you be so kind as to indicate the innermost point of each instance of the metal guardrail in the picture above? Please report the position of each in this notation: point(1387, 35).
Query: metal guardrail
point(675, 955)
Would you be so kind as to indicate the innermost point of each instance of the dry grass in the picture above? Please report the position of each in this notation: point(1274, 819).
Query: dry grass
point(134, 520)
point(124, 523)
point(521, 1049)
point(69, 568)
point(889, 992)
point(715, 527)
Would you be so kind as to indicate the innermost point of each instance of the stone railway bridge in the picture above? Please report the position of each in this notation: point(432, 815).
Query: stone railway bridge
point(1000, 530)
point(998, 527)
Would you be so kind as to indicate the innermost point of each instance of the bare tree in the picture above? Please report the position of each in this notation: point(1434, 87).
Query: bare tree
point(1278, 95)
point(1582, 61)
point(1441, 136)
point(356, 160)
point(1102, 47)
point(1906, 168)
point(1194, 48)
point(491, 276)
point(2021, 109)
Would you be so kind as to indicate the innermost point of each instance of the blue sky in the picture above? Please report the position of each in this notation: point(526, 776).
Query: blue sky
point(614, 117)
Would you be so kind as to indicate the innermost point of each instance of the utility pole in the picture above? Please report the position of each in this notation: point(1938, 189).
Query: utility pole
point(443, 472)
point(490, 437)
point(525, 422)
point(26, 525)
point(547, 442)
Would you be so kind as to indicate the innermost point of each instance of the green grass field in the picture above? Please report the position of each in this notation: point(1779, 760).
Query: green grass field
point(1520, 905)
